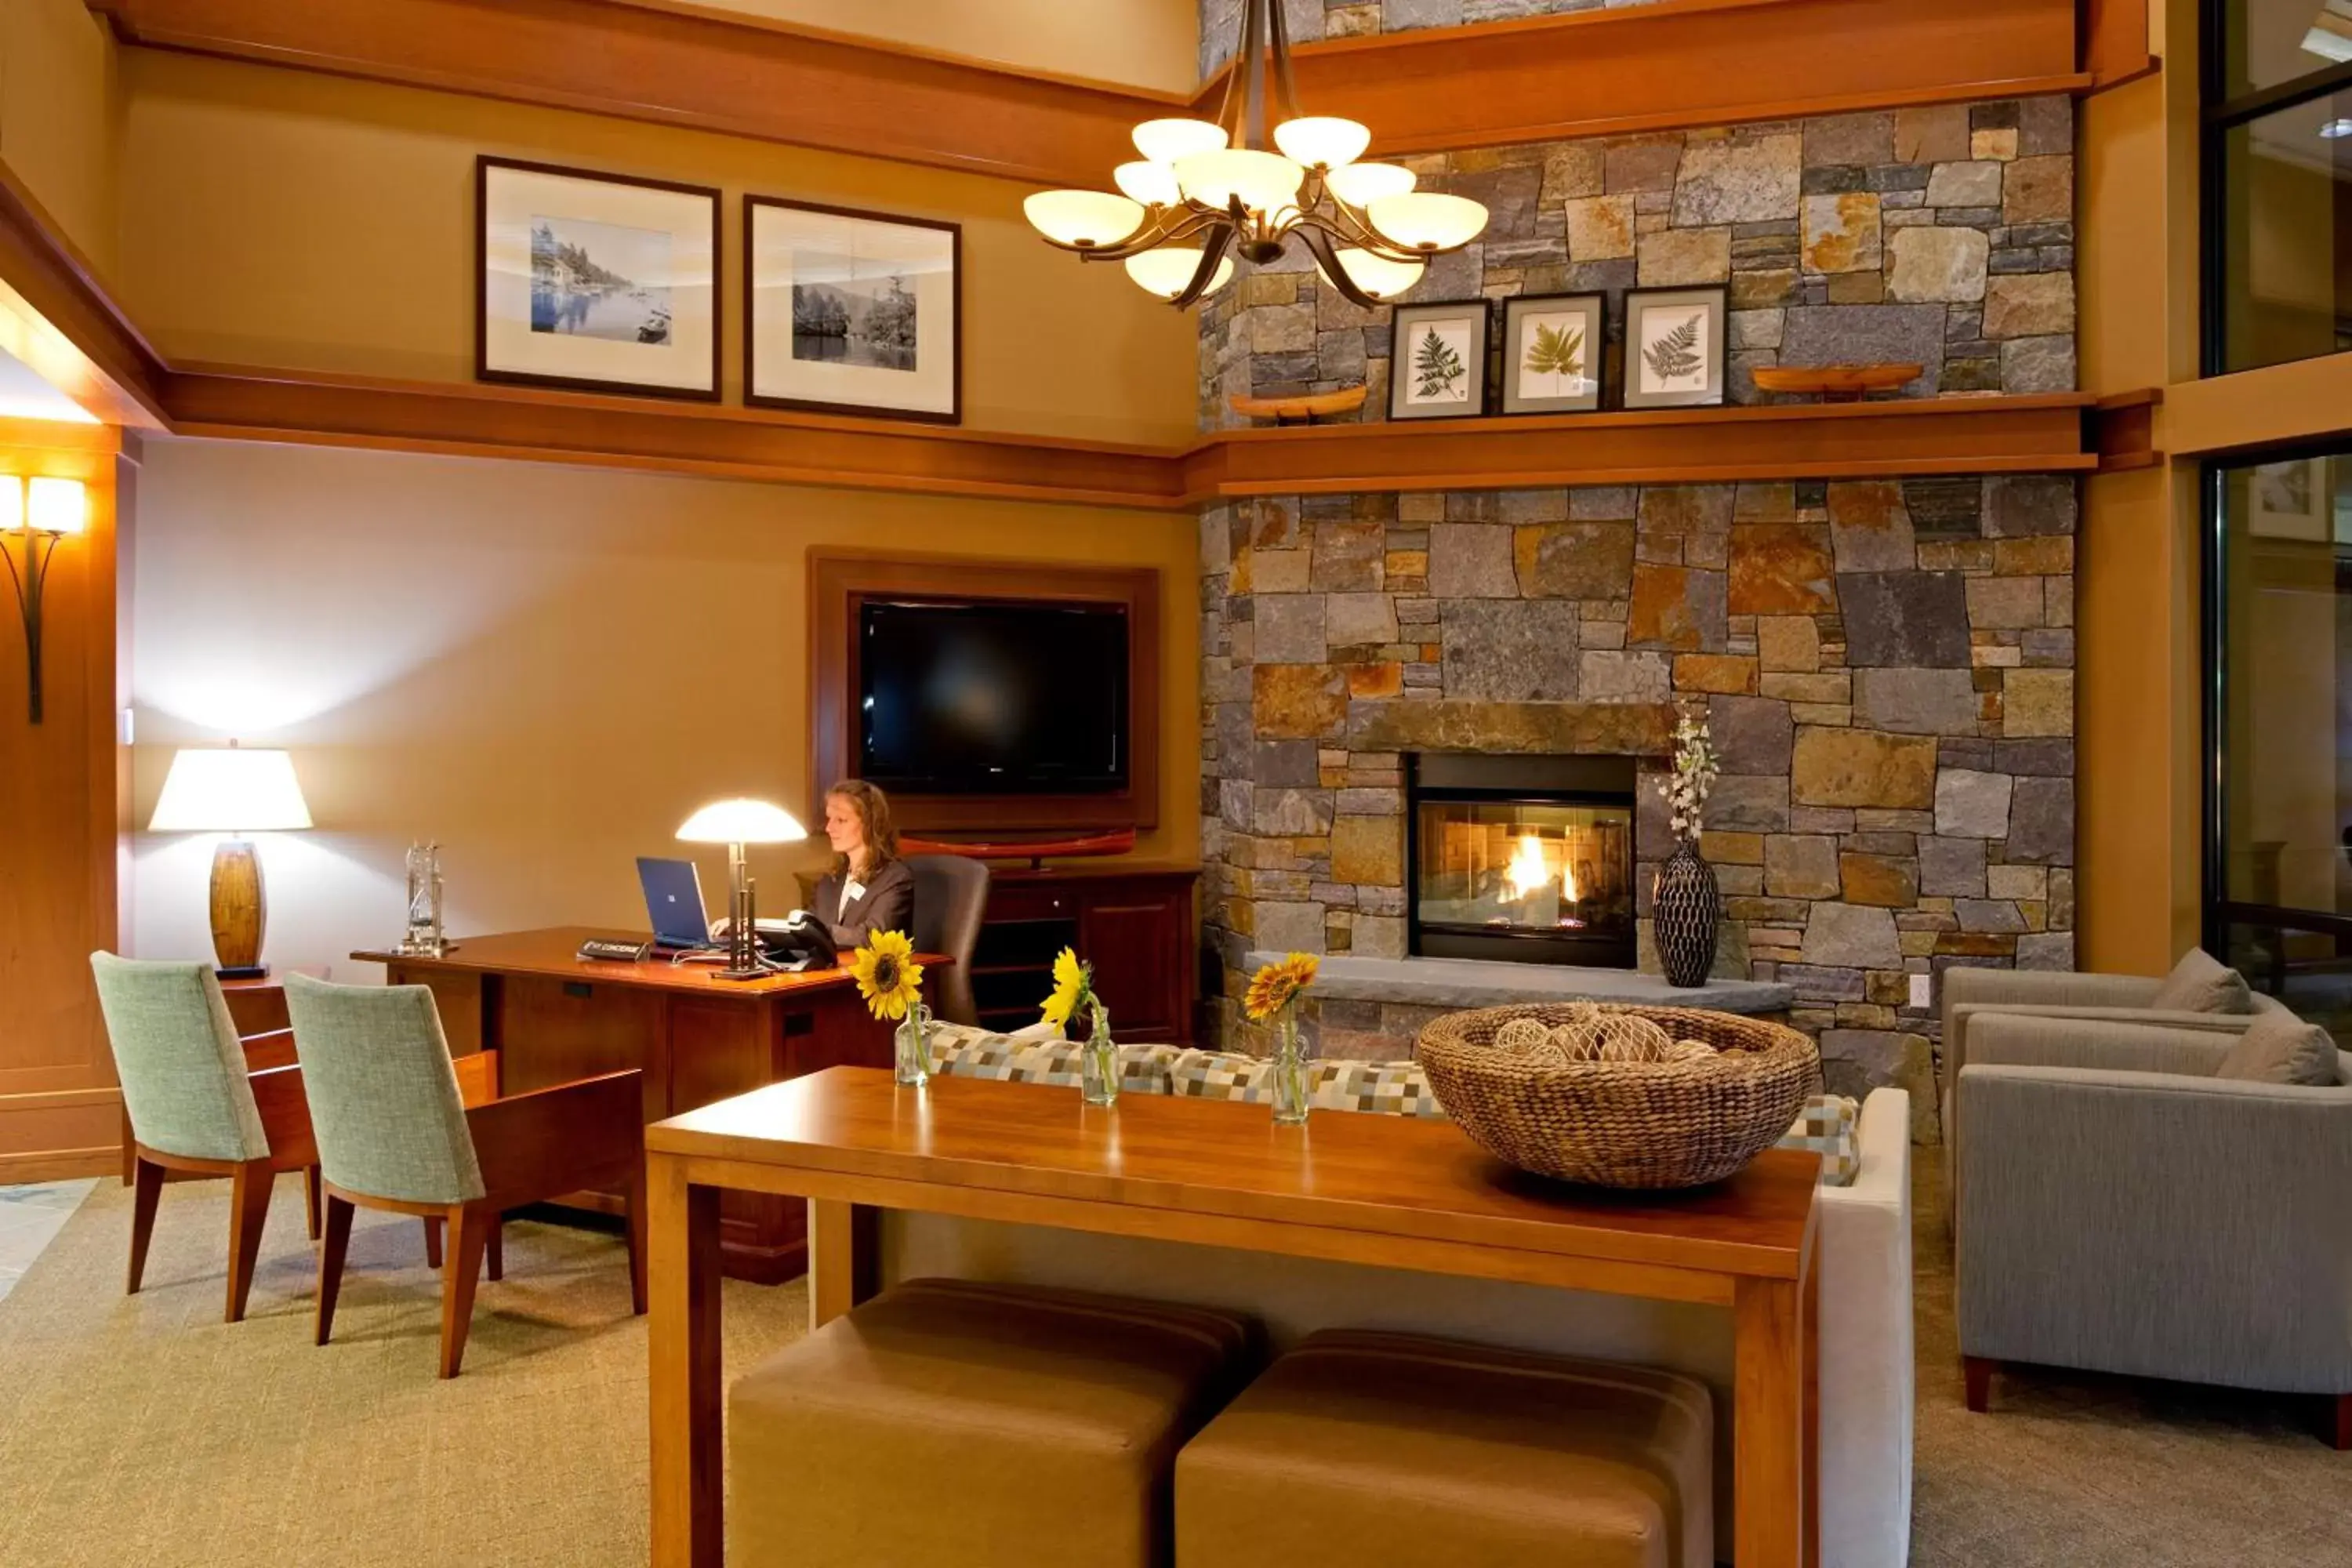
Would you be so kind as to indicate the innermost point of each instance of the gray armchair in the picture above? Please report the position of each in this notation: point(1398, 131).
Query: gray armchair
point(2118, 1208)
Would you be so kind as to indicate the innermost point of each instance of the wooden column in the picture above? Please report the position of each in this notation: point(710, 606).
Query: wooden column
point(64, 794)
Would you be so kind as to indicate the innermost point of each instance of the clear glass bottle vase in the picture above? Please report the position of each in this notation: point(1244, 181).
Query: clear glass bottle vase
point(1099, 1061)
point(1290, 1103)
point(913, 1039)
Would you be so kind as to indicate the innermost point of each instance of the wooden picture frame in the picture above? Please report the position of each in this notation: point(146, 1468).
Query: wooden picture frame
point(840, 581)
point(2291, 498)
point(1656, 317)
point(547, 312)
point(1458, 329)
point(1536, 332)
point(911, 268)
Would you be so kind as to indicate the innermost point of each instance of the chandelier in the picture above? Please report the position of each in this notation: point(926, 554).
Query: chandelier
point(1205, 190)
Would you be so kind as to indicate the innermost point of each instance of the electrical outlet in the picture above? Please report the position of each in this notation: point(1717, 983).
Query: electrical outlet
point(1922, 986)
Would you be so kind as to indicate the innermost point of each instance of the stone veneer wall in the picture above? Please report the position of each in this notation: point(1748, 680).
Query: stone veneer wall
point(1887, 666)
point(1942, 236)
point(1311, 19)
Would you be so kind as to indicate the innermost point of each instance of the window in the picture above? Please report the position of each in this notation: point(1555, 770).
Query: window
point(2278, 172)
point(2279, 617)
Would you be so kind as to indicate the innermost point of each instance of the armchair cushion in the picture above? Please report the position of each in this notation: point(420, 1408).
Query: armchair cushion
point(2279, 1047)
point(2201, 983)
point(1388, 1089)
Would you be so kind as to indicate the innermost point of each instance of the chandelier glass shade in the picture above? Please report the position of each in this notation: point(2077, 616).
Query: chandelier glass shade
point(1205, 192)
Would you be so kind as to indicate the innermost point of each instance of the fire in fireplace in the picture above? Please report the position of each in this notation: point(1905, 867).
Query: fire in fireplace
point(1525, 858)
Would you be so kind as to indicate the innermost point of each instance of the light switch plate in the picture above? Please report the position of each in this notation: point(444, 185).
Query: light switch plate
point(1922, 989)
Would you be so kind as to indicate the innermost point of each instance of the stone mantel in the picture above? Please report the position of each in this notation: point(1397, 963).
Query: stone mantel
point(1464, 983)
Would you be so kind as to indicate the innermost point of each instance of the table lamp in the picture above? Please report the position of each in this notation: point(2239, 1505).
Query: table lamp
point(736, 823)
point(234, 791)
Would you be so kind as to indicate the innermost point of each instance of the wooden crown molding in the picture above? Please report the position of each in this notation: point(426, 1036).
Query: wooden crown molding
point(1678, 64)
point(57, 318)
point(2054, 432)
point(1672, 65)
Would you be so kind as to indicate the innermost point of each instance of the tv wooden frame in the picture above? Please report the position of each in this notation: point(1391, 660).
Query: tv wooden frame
point(839, 583)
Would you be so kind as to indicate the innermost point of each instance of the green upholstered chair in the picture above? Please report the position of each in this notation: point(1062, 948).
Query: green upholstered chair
point(394, 1133)
point(197, 1107)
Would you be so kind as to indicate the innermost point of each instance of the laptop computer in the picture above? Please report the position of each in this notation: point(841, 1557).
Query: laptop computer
point(673, 903)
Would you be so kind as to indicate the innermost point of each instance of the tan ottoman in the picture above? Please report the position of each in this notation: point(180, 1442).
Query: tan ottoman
point(1371, 1449)
point(950, 1422)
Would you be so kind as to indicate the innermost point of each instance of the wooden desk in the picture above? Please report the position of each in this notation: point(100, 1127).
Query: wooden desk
point(1361, 1189)
point(553, 1017)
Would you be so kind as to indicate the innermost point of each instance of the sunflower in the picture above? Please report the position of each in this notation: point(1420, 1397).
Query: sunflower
point(886, 974)
point(1277, 984)
point(1073, 984)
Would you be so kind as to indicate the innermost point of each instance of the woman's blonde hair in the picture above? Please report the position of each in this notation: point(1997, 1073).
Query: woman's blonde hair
point(873, 808)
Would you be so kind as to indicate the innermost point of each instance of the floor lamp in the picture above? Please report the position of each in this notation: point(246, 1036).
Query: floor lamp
point(736, 823)
point(234, 791)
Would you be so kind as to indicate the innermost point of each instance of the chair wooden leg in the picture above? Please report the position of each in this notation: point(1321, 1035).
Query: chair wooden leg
point(147, 1189)
point(1977, 1372)
point(636, 1196)
point(335, 1239)
point(497, 1249)
point(311, 1199)
point(249, 1188)
point(469, 1236)
point(2344, 1423)
point(432, 1243)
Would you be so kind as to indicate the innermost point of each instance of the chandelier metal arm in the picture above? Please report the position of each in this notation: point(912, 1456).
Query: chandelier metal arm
point(1356, 232)
point(1286, 85)
point(1212, 251)
point(1319, 245)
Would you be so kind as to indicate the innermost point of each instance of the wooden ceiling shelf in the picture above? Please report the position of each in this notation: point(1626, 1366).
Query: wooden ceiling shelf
point(1671, 65)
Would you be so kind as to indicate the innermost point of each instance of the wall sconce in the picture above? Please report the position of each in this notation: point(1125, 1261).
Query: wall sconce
point(43, 510)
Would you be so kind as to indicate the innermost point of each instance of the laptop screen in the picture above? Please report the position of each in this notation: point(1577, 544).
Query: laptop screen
point(673, 903)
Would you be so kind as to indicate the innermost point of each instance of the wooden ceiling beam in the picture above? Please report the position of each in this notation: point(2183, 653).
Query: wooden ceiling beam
point(1672, 65)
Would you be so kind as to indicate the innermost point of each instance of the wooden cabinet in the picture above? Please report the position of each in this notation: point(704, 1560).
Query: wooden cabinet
point(1134, 923)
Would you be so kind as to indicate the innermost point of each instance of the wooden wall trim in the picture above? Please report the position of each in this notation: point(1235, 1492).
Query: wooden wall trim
point(52, 281)
point(839, 579)
point(2042, 434)
point(1672, 65)
point(1684, 63)
point(637, 433)
point(2115, 48)
point(740, 76)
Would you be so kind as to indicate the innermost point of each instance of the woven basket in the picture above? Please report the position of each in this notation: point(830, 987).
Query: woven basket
point(1648, 1125)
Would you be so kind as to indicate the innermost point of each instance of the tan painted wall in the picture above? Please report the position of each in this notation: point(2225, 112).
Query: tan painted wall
point(522, 662)
point(273, 217)
point(59, 116)
point(1140, 43)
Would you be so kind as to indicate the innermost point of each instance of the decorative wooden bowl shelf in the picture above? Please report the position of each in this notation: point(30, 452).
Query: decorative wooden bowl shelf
point(1837, 383)
point(1036, 851)
point(1281, 410)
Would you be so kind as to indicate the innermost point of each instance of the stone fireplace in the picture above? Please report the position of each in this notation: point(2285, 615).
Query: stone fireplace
point(1524, 859)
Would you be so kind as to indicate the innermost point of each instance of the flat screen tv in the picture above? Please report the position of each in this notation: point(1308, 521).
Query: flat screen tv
point(992, 697)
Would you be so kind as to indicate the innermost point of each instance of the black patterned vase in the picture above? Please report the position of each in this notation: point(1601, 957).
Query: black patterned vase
point(1686, 911)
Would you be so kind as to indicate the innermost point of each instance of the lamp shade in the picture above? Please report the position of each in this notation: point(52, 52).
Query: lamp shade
point(1153, 185)
point(1322, 140)
point(1165, 141)
point(1377, 275)
point(1361, 185)
point(230, 789)
point(1425, 220)
point(1169, 272)
point(742, 822)
point(1086, 218)
point(57, 506)
point(1265, 181)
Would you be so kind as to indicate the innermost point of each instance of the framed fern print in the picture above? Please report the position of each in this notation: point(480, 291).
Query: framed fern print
point(1674, 347)
point(1552, 352)
point(1437, 361)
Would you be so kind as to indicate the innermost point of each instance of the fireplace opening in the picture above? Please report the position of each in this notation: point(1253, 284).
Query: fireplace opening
point(1524, 858)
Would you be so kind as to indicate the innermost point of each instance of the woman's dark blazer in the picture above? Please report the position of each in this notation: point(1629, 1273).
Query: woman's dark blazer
point(889, 905)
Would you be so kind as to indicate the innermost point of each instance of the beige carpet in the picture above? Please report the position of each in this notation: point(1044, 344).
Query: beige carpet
point(143, 1431)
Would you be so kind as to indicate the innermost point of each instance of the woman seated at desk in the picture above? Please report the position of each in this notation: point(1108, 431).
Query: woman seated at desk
point(869, 889)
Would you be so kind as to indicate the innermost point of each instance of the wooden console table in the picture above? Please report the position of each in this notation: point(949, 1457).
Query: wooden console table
point(1378, 1190)
point(553, 1017)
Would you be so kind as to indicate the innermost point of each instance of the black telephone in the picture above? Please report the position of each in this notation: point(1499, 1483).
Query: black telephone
point(800, 942)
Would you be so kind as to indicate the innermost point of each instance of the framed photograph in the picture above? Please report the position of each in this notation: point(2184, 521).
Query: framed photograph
point(853, 312)
point(1674, 347)
point(595, 282)
point(1552, 351)
point(2290, 500)
point(1437, 361)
